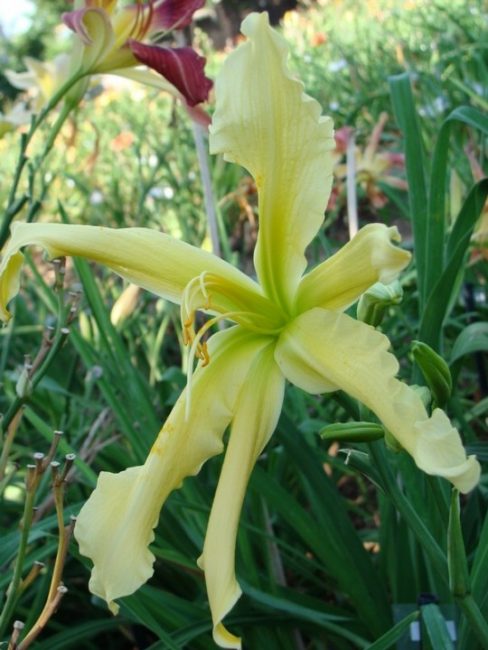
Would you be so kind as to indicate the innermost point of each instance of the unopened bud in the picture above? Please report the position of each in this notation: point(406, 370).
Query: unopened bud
point(424, 393)
point(376, 300)
point(353, 431)
point(435, 371)
point(23, 387)
point(125, 304)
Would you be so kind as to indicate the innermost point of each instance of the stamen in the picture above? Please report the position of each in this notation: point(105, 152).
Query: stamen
point(199, 350)
point(137, 30)
point(204, 291)
point(196, 285)
point(147, 23)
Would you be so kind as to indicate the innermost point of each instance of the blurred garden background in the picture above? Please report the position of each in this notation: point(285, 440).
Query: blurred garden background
point(325, 555)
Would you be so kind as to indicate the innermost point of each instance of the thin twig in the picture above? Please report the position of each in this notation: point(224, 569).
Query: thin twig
point(208, 194)
point(352, 199)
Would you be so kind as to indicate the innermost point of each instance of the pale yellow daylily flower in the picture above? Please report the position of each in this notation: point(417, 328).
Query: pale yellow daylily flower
point(287, 326)
point(17, 116)
point(42, 79)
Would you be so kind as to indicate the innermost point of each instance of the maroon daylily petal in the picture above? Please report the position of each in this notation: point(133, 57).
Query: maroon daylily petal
point(174, 14)
point(181, 66)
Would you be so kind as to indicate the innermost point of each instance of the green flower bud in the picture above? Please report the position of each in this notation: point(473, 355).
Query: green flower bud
point(23, 387)
point(353, 431)
point(435, 371)
point(374, 302)
point(424, 393)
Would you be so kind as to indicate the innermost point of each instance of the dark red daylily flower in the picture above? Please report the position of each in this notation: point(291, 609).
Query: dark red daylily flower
point(113, 39)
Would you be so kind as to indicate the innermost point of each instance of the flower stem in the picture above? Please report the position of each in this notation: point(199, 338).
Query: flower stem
point(32, 481)
point(420, 530)
point(14, 204)
point(8, 441)
point(475, 618)
point(208, 194)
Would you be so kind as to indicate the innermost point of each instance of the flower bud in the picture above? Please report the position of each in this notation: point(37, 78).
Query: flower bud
point(376, 300)
point(125, 304)
point(23, 387)
point(353, 431)
point(435, 371)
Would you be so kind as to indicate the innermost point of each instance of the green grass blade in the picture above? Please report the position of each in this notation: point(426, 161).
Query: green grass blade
point(326, 529)
point(335, 624)
point(479, 588)
point(435, 628)
point(406, 117)
point(474, 338)
point(439, 179)
point(389, 639)
point(74, 636)
point(442, 294)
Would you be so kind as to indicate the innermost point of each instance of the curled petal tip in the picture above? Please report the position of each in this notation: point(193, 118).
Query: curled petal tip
point(439, 451)
point(74, 21)
point(113, 607)
point(114, 529)
point(225, 639)
point(175, 14)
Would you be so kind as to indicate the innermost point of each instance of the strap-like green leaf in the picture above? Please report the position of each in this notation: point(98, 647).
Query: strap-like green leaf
point(439, 178)
point(406, 116)
point(436, 628)
point(474, 338)
point(440, 297)
point(389, 639)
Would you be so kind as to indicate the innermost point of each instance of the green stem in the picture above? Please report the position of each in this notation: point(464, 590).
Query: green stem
point(13, 589)
point(475, 618)
point(15, 205)
point(420, 530)
point(20, 401)
point(8, 441)
point(208, 195)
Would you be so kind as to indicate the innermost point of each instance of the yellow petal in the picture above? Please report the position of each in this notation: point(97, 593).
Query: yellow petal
point(438, 446)
point(148, 258)
point(321, 349)
point(9, 281)
point(147, 77)
point(99, 39)
point(368, 258)
point(258, 409)
point(264, 122)
point(116, 524)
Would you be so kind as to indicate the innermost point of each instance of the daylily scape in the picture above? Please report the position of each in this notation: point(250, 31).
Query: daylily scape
point(287, 325)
